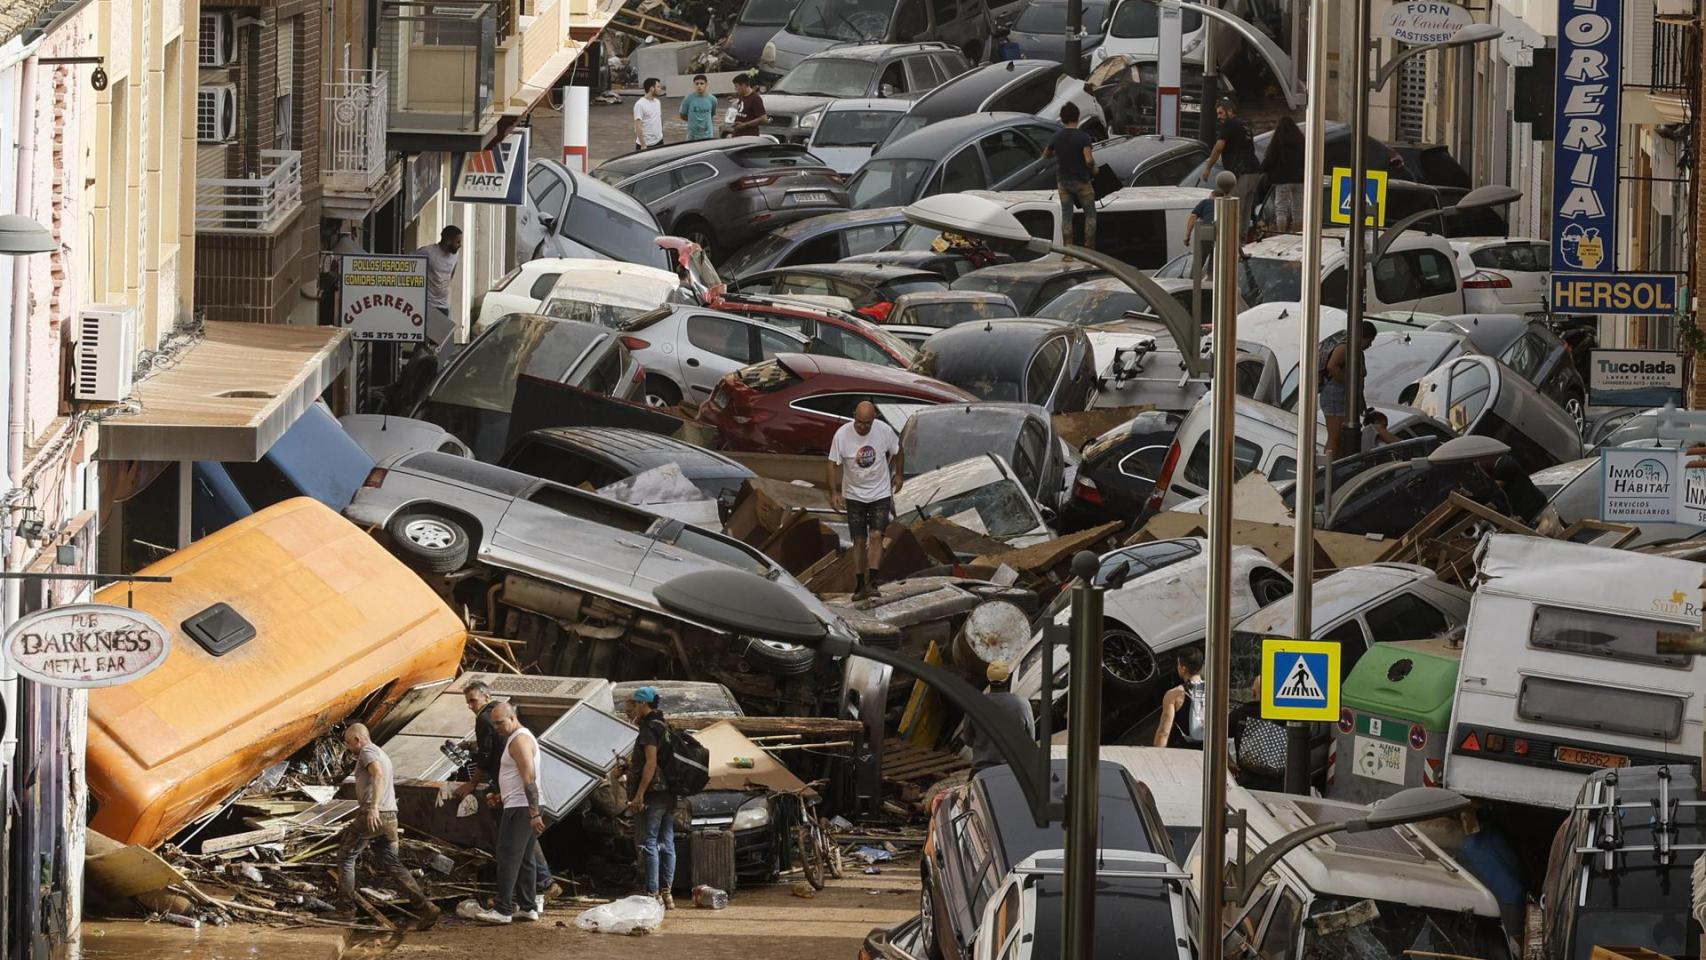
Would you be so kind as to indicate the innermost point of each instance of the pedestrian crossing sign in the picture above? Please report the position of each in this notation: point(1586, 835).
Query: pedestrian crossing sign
point(1374, 189)
point(1300, 679)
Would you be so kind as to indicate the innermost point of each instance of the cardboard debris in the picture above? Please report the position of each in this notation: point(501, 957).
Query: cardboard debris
point(1077, 429)
point(1276, 541)
point(1038, 559)
point(725, 743)
point(1254, 498)
point(784, 467)
point(120, 871)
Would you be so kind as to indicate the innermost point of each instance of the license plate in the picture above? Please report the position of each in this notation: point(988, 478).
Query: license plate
point(1379, 760)
point(1590, 758)
point(809, 196)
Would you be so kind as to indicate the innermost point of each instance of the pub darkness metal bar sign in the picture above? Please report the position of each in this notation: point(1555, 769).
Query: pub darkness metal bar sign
point(1586, 125)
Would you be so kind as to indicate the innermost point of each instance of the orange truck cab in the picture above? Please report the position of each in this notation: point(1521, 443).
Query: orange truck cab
point(283, 624)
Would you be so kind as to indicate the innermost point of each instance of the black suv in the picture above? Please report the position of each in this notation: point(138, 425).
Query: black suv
point(1621, 864)
point(981, 832)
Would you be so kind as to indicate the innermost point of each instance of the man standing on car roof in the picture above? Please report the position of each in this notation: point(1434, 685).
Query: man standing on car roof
point(488, 758)
point(651, 798)
point(374, 826)
point(865, 462)
point(1075, 166)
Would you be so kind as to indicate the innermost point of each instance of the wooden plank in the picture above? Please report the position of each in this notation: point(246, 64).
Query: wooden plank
point(238, 841)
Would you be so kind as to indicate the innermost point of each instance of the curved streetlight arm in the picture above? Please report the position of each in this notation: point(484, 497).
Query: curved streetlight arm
point(1017, 749)
point(1250, 874)
point(1187, 333)
point(1391, 66)
point(1390, 234)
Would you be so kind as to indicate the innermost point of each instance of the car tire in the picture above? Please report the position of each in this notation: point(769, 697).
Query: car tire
point(1127, 661)
point(927, 917)
point(701, 233)
point(661, 392)
point(430, 542)
point(782, 659)
point(1268, 587)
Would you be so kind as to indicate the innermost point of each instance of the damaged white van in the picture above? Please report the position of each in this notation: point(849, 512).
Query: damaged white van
point(1562, 673)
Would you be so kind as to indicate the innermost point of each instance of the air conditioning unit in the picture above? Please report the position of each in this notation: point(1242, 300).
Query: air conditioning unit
point(106, 352)
point(217, 45)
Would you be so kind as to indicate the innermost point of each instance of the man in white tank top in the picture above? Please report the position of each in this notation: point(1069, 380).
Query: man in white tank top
point(522, 820)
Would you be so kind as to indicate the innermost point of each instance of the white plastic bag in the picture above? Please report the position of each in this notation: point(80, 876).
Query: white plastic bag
point(636, 914)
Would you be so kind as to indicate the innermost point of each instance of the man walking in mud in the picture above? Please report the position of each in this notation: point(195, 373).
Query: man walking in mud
point(374, 826)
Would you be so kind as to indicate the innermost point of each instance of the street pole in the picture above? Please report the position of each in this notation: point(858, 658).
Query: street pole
point(1209, 95)
point(1074, 65)
point(1212, 877)
point(1083, 757)
point(1308, 386)
point(1350, 433)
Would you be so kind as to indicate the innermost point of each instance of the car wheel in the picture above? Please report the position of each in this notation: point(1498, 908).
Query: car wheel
point(1577, 408)
point(782, 659)
point(701, 233)
point(429, 541)
point(1268, 587)
point(927, 919)
point(661, 393)
point(1127, 660)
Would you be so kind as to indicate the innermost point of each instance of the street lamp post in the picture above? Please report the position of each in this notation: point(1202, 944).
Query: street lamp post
point(746, 603)
point(975, 216)
point(1350, 432)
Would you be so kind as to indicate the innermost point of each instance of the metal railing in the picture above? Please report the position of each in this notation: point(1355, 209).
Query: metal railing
point(258, 204)
point(438, 60)
point(1675, 53)
point(359, 107)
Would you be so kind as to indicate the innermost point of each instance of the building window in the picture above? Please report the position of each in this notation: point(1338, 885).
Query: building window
point(216, 114)
point(284, 117)
point(218, 41)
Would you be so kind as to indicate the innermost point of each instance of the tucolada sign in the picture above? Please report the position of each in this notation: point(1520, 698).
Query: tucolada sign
point(1424, 21)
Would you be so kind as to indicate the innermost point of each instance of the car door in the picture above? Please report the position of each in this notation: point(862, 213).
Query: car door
point(922, 73)
point(1440, 286)
point(868, 238)
point(1001, 933)
point(1011, 157)
point(1032, 464)
point(676, 196)
point(894, 81)
point(962, 171)
point(536, 222)
point(711, 346)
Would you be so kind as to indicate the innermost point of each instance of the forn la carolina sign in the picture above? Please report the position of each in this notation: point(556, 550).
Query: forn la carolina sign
point(86, 645)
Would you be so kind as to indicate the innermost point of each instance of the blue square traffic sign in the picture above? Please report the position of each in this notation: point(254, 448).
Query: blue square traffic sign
point(1300, 679)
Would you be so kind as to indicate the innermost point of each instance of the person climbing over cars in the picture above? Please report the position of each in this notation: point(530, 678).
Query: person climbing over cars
point(1183, 708)
point(865, 464)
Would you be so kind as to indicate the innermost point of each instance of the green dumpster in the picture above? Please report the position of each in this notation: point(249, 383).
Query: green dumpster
point(1395, 708)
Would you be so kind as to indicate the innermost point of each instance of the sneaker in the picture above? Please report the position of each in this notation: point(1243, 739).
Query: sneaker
point(526, 915)
point(668, 900)
point(492, 917)
point(539, 904)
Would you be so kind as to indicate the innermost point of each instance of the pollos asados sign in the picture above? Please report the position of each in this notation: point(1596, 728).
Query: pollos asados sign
point(87, 645)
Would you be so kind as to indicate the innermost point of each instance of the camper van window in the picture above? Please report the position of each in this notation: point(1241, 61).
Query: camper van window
point(1399, 929)
point(1606, 709)
point(1594, 634)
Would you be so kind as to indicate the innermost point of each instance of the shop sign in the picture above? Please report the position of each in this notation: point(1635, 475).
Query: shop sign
point(1584, 141)
point(383, 298)
point(1634, 378)
point(1425, 21)
point(86, 645)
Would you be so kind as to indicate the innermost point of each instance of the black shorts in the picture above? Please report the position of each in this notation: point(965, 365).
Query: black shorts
point(862, 518)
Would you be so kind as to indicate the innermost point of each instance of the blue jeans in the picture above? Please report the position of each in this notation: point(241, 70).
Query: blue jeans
point(657, 842)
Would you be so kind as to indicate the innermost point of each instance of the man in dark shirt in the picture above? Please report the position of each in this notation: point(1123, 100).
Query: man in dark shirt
point(1236, 152)
point(751, 115)
point(649, 796)
point(1074, 166)
point(488, 753)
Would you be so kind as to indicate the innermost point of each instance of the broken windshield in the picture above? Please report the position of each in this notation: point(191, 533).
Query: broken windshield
point(1345, 929)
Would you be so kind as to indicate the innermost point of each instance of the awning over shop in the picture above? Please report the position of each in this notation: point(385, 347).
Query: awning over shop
point(230, 396)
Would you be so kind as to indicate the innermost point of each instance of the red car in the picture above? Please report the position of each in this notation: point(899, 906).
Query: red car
point(795, 402)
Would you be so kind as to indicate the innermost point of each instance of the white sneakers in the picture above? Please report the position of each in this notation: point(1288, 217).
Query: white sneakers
point(492, 917)
point(526, 915)
point(539, 904)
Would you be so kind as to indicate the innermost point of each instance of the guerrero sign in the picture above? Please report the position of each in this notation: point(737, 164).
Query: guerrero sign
point(1420, 21)
point(1634, 378)
point(86, 645)
point(384, 298)
point(1584, 142)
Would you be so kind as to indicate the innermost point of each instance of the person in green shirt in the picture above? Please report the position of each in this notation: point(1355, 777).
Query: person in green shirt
point(698, 108)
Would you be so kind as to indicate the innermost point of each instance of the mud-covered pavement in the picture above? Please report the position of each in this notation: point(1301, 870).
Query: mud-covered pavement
point(760, 922)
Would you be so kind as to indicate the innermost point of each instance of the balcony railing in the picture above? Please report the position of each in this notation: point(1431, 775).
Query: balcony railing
point(438, 61)
point(358, 105)
point(1675, 52)
point(259, 204)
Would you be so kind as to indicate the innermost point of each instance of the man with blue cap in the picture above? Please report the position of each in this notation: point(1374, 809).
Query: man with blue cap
point(650, 796)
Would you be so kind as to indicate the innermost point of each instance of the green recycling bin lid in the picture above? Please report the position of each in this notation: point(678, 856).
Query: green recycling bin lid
point(1410, 680)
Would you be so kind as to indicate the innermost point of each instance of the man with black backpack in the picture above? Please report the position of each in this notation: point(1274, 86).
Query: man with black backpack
point(651, 796)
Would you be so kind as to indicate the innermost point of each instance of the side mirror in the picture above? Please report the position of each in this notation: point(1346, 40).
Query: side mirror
point(887, 90)
point(548, 221)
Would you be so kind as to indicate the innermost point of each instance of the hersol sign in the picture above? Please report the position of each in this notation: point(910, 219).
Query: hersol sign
point(86, 645)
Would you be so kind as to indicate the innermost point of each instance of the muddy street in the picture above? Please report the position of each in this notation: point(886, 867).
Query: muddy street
point(760, 922)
